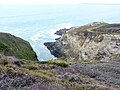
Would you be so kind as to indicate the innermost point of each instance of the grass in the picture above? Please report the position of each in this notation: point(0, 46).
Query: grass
point(33, 69)
point(3, 60)
point(48, 77)
point(61, 64)
point(15, 46)
point(88, 61)
point(63, 58)
point(30, 67)
point(3, 46)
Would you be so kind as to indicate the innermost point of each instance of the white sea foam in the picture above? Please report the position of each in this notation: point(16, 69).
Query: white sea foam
point(36, 37)
point(20, 31)
point(46, 20)
point(49, 33)
point(58, 27)
point(46, 35)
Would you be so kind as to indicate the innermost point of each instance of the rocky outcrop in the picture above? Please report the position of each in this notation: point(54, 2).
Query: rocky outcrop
point(60, 74)
point(55, 48)
point(61, 31)
point(99, 41)
point(11, 45)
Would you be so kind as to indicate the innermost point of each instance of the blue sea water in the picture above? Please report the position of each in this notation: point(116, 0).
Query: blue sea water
point(37, 23)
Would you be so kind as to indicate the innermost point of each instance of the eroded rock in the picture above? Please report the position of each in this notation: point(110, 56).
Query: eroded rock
point(99, 41)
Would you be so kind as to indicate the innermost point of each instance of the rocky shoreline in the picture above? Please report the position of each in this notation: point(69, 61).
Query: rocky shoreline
point(61, 31)
point(55, 47)
point(79, 69)
point(97, 40)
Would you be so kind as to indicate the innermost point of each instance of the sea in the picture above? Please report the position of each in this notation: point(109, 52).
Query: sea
point(38, 23)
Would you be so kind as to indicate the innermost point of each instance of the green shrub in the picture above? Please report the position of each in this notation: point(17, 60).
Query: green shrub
point(43, 62)
point(63, 58)
point(62, 64)
point(88, 61)
point(3, 46)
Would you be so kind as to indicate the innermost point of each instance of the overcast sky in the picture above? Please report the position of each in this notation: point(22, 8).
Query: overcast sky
point(58, 1)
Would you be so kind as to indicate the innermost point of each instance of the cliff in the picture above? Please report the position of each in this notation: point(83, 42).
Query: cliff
point(57, 74)
point(11, 45)
point(95, 41)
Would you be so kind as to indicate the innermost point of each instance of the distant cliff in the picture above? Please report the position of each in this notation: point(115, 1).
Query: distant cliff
point(11, 45)
point(99, 41)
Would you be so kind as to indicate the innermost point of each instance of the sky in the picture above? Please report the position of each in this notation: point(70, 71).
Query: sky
point(58, 1)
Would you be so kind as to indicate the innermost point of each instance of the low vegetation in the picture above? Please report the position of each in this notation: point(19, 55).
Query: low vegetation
point(31, 73)
point(62, 64)
point(11, 45)
point(88, 61)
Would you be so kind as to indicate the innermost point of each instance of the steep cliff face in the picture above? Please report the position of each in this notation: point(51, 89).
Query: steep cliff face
point(14, 46)
point(100, 41)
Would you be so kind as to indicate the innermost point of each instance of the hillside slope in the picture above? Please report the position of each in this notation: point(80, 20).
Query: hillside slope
point(16, 74)
point(11, 45)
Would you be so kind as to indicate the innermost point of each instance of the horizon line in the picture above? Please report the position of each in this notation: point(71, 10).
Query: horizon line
point(67, 4)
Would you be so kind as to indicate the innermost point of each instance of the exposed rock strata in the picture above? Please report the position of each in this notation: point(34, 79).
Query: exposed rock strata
point(100, 41)
point(61, 31)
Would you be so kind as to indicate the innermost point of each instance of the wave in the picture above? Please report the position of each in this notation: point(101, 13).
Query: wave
point(49, 32)
point(46, 35)
point(36, 37)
